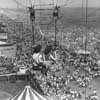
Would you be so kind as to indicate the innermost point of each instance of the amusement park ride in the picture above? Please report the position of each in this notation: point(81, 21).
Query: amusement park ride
point(55, 8)
point(31, 10)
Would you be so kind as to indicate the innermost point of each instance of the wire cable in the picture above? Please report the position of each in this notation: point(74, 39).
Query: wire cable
point(57, 3)
point(30, 1)
point(86, 22)
point(82, 21)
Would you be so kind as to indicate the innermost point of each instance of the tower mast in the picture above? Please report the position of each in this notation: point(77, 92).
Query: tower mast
point(55, 16)
point(32, 21)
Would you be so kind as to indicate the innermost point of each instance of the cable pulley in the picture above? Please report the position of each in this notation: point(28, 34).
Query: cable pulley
point(56, 12)
point(32, 13)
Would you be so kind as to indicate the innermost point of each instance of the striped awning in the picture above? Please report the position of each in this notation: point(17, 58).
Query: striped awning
point(28, 94)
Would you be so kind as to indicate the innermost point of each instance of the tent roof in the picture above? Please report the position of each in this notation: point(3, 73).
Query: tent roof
point(28, 94)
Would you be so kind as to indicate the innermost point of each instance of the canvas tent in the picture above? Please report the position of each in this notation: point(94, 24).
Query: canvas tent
point(28, 94)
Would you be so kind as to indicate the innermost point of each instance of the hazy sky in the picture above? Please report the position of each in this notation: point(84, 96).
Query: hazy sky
point(76, 3)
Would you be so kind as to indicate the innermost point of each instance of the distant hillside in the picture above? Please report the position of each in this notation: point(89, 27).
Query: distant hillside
point(70, 15)
point(78, 16)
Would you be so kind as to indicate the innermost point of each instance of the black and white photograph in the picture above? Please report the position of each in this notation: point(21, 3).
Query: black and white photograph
point(49, 50)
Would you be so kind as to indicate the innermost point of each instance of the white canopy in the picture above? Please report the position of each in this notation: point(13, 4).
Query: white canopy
point(1, 42)
point(28, 94)
point(98, 62)
point(83, 52)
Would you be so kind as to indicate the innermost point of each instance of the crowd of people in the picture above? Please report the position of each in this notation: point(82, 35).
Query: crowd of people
point(55, 74)
point(54, 68)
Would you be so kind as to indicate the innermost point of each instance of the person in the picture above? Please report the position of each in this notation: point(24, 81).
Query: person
point(46, 54)
point(51, 55)
point(94, 95)
point(54, 56)
point(36, 55)
point(38, 60)
point(47, 51)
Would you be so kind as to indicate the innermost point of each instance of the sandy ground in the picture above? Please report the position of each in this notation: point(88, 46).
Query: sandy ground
point(4, 95)
point(94, 84)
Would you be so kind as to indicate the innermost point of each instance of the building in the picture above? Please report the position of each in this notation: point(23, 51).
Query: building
point(6, 49)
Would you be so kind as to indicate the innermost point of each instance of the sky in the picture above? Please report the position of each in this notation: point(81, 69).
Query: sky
point(75, 3)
